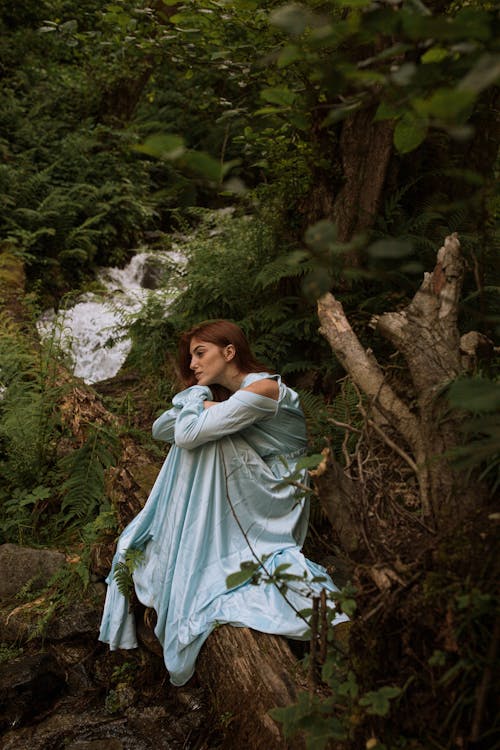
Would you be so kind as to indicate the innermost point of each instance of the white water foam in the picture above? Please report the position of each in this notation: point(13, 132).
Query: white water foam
point(93, 333)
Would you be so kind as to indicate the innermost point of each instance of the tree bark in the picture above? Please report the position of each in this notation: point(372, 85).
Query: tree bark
point(248, 673)
point(427, 335)
point(366, 148)
point(339, 498)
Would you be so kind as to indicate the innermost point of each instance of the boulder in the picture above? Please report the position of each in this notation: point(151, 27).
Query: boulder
point(23, 566)
point(29, 685)
point(33, 619)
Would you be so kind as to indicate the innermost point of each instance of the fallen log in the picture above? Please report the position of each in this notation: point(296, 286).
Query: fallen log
point(246, 674)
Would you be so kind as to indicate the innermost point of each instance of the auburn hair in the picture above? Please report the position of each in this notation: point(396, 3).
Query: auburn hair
point(222, 333)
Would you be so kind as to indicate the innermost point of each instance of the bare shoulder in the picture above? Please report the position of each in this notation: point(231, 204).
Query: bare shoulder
point(264, 387)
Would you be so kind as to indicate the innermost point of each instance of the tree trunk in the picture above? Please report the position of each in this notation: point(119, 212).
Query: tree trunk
point(427, 335)
point(248, 673)
point(366, 148)
point(120, 101)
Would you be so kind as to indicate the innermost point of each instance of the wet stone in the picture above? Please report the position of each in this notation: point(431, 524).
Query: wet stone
point(29, 685)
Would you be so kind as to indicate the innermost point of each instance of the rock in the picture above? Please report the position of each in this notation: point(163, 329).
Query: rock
point(83, 725)
point(79, 620)
point(107, 744)
point(77, 662)
point(20, 566)
point(29, 685)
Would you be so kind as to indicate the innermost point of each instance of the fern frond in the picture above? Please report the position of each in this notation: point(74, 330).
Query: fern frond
point(124, 571)
point(83, 488)
point(291, 265)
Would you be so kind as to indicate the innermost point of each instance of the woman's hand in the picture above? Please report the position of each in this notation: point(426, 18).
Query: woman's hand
point(208, 404)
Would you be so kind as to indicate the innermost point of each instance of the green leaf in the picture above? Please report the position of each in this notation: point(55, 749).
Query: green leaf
point(293, 18)
point(377, 702)
point(391, 248)
point(162, 146)
point(446, 104)
point(404, 75)
point(206, 165)
point(281, 568)
point(279, 95)
point(316, 283)
point(409, 133)
point(310, 462)
point(336, 114)
point(288, 55)
point(475, 395)
point(321, 235)
point(434, 55)
point(484, 73)
point(387, 111)
point(241, 576)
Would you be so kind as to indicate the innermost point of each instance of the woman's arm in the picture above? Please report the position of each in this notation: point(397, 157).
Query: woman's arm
point(197, 425)
point(164, 427)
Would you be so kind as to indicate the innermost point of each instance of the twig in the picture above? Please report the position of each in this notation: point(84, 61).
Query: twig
point(411, 463)
point(412, 516)
point(252, 551)
point(314, 641)
point(344, 425)
point(324, 628)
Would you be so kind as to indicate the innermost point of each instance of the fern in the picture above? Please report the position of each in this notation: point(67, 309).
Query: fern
point(83, 490)
point(293, 264)
point(124, 571)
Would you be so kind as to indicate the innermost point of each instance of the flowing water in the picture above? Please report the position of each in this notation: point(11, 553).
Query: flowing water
point(94, 331)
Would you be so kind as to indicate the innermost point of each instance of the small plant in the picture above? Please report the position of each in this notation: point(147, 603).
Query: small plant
point(8, 652)
point(124, 570)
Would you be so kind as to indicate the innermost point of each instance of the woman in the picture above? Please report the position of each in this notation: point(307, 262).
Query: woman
point(219, 501)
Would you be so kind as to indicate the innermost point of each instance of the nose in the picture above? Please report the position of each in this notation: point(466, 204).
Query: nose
point(191, 364)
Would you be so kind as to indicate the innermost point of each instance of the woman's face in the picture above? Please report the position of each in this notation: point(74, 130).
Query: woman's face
point(210, 363)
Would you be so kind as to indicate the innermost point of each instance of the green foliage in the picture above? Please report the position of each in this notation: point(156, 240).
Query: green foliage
point(479, 397)
point(226, 271)
point(8, 652)
point(45, 491)
point(336, 713)
point(466, 654)
point(29, 425)
point(83, 473)
point(423, 75)
point(124, 571)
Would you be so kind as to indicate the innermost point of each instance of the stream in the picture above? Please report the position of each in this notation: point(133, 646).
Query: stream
point(93, 332)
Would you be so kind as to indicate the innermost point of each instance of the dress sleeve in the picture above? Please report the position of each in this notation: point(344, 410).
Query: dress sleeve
point(195, 425)
point(164, 427)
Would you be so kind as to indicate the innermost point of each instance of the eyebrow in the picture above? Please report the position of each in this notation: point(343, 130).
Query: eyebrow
point(198, 346)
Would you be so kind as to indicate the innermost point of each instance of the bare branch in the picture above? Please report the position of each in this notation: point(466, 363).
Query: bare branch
point(363, 368)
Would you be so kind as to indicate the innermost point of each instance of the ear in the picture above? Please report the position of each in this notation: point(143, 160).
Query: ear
point(229, 352)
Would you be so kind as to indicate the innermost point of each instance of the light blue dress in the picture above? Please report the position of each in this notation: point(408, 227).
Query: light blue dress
point(222, 477)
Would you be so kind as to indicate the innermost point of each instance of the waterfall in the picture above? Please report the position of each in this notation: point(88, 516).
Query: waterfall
point(94, 331)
